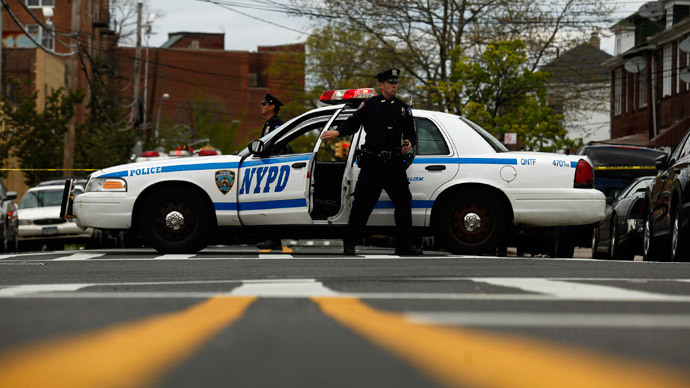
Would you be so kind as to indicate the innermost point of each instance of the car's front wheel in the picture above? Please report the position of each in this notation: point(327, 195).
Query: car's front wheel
point(619, 252)
point(652, 248)
point(679, 243)
point(471, 222)
point(175, 221)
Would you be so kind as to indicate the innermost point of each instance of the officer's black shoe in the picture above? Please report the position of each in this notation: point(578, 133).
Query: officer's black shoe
point(408, 251)
point(270, 244)
point(349, 250)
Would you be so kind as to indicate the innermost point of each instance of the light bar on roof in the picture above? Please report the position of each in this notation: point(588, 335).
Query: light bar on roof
point(346, 95)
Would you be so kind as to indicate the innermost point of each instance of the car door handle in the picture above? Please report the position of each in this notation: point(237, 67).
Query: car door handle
point(436, 167)
point(299, 165)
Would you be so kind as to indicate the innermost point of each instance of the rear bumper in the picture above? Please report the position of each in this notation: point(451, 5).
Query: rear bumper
point(557, 207)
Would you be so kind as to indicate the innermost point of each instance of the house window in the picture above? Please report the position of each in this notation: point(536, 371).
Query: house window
point(666, 69)
point(617, 91)
point(194, 45)
point(643, 88)
point(40, 3)
point(42, 36)
point(253, 80)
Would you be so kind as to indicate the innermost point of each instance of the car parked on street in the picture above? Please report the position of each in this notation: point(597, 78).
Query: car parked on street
point(619, 236)
point(40, 223)
point(667, 207)
point(467, 189)
point(9, 239)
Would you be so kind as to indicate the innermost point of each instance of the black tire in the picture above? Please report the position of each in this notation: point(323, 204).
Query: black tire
point(188, 221)
point(652, 247)
point(618, 252)
point(595, 244)
point(481, 232)
point(5, 240)
point(679, 243)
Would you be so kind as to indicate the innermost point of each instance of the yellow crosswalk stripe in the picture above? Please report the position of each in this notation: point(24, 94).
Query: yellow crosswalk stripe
point(460, 357)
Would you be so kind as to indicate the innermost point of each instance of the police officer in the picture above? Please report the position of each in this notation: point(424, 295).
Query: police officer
point(390, 134)
point(270, 106)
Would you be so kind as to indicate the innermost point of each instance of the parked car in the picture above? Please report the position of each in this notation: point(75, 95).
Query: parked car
point(667, 207)
point(40, 223)
point(9, 239)
point(619, 236)
point(467, 188)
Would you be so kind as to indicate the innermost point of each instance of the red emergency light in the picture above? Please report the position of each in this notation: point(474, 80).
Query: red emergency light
point(150, 154)
point(346, 95)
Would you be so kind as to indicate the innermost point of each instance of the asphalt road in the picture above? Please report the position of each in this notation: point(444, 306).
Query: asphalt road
point(310, 317)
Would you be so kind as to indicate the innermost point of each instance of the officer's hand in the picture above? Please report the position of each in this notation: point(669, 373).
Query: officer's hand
point(407, 146)
point(329, 136)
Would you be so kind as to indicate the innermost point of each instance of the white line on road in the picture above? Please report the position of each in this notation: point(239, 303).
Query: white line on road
point(565, 289)
point(80, 257)
point(283, 288)
point(552, 320)
point(181, 256)
point(39, 288)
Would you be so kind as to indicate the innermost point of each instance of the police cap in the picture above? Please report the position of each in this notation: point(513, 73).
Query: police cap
point(390, 75)
point(270, 100)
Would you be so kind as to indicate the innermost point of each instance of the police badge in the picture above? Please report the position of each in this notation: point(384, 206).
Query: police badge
point(225, 179)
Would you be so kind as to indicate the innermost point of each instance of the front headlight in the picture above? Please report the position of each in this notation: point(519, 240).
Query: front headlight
point(24, 222)
point(106, 184)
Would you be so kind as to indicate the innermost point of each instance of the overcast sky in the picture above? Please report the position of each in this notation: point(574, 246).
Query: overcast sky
point(245, 33)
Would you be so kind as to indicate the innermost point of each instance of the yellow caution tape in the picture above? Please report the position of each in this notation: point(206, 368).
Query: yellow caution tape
point(625, 168)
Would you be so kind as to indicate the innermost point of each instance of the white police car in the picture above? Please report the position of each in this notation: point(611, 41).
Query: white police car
point(467, 188)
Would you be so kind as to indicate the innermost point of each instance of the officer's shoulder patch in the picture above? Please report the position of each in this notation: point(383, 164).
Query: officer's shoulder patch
point(361, 105)
point(409, 111)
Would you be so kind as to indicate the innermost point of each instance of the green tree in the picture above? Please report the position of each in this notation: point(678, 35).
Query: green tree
point(501, 93)
point(38, 137)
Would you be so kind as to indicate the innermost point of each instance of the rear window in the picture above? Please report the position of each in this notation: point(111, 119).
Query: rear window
point(44, 198)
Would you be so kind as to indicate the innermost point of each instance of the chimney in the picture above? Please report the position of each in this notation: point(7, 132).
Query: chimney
point(595, 41)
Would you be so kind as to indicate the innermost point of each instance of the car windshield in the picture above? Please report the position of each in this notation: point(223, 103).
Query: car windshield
point(44, 198)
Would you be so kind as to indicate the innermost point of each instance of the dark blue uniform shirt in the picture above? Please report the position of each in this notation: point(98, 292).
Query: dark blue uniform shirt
point(271, 124)
point(386, 122)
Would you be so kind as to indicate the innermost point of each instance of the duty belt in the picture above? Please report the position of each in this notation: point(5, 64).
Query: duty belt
point(383, 154)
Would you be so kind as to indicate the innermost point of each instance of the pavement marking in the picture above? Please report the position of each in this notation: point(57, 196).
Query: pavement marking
point(181, 256)
point(674, 321)
point(132, 354)
point(566, 289)
point(22, 255)
point(462, 357)
point(14, 291)
point(283, 288)
point(80, 257)
point(272, 256)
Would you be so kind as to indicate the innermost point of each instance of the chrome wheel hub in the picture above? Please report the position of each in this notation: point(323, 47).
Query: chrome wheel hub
point(174, 220)
point(472, 222)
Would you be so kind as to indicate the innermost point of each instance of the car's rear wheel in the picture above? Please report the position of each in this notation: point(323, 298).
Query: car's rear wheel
point(595, 246)
point(5, 241)
point(679, 243)
point(175, 221)
point(471, 222)
point(618, 252)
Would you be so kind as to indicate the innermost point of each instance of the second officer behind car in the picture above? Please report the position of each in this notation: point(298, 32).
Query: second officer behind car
point(390, 134)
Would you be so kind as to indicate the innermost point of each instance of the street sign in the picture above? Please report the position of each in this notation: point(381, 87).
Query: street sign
point(510, 138)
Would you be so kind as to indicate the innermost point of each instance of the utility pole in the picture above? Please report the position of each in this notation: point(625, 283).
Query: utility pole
point(137, 64)
point(72, 84)
point(2, 9)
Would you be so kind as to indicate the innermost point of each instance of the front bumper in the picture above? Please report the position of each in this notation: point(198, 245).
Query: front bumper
point(104, 210)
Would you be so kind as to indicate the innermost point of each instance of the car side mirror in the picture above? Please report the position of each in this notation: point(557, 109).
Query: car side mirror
point(11, 195)
point(662, 162)
point(256, 147)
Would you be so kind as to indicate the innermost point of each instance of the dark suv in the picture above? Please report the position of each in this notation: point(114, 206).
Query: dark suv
point(9, 238)
point(667, 207)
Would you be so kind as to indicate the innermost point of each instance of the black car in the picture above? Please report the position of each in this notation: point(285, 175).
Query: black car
point(667, 207)
point(619, 236)
point(9, 231)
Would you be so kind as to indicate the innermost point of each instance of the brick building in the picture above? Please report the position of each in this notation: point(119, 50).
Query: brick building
point(50, 60)
point(193, 64)
point(650, 102)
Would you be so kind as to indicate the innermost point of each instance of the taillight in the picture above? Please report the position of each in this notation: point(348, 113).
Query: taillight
point(584, 175)
point(639, 207)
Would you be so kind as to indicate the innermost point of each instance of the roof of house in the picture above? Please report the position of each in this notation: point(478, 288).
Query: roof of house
point(583, 64)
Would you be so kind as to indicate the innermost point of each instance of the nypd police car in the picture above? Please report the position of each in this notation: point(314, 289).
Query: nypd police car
point(467, 189)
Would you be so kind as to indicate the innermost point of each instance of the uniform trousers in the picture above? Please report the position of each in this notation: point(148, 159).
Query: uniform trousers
point(376, 175)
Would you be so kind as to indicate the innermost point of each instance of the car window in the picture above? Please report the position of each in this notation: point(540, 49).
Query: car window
point(492, 141)
point(338, 150)
point(44, 198)
point(636, 189)
point(431, 140)
point(302, 138)
point(3, 190)
point(681, 149)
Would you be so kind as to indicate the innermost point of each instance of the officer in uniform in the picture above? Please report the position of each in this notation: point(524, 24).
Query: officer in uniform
point(390, 134)
point(270, 106)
